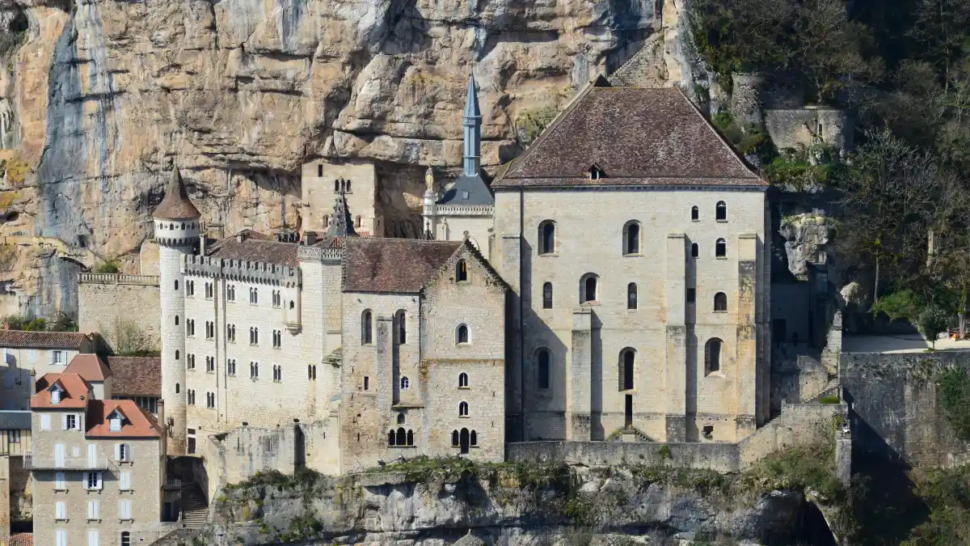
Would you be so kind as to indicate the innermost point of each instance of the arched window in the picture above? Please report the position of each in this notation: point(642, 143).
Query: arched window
point(587, 288)
point(401, 418)
point(463, 409)
point(391, 438)
point(628, 359)
point(631, 238)
point(176, 284)
point(631, 295)
point(366, 328)
point(177, 354)
point(695, 213)
point(410, 438)
point(176, 388)
point(720, 211)
point(462, 380)
point(712, 355)
point(695, 251)
point(542, 361)
point(176, 320)
point(402, 326)
point(461, 271)
point(720, 302)
point(454, 438)
point(336, 183)
point(547, 237)
point(462, 335)
point(720, 248)
point(405, 383)
point(402, 438)
point(463, 440)
point(547, 295)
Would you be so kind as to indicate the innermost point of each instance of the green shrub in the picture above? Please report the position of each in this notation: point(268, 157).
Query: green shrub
point(829, 400)
point(109, 266)
point(954, 390)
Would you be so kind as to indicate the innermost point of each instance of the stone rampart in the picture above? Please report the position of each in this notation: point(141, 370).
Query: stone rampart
point(112, 304)
point(896, 413)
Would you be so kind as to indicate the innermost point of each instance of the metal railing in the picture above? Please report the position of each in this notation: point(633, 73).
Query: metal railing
point(173, 484)
point(117, 278)
point(32, 462)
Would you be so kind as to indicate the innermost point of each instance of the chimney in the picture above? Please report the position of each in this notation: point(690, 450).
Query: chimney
point(310, 238)
point(202, 244)
point(241, 236)
point(161, 413)
point(215, 231)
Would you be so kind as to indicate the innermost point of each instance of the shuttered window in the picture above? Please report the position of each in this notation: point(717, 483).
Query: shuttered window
point(93, 510)
point(124, 481)
point(60, 510)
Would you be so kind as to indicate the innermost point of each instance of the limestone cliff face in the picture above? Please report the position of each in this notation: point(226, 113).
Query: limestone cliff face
point(99, 98)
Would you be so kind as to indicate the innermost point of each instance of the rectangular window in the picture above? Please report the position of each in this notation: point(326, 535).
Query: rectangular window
point(57, 357)
point(60, 510)
point(61, 537)
point(231, 367)
point(123, 452)
point(210, 400)
point(366, 383)
point(32, 355)
point(210, 364)
point(92, 481)
point(70, 422)
point(13, 436)
point(691, 295)
point(45, 422)
point(124, 481)
point(93, 510)
point(124, 509)
point(93, 538)
point(59, 481)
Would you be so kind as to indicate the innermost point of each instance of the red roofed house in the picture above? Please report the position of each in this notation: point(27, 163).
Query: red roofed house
point(98, 464)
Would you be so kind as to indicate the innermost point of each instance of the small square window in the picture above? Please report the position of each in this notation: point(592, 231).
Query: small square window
point(691, 295)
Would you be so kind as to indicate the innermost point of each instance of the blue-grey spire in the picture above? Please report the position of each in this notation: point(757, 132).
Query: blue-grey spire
point(472, 161)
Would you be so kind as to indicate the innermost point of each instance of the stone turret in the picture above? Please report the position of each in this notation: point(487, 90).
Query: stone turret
point(341, 225)
point(177, 230)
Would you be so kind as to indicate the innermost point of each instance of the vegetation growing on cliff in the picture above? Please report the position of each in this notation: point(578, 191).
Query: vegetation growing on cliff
point(955, 400)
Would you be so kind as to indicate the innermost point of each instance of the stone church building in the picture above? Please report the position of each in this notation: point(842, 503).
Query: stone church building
point(634, 241)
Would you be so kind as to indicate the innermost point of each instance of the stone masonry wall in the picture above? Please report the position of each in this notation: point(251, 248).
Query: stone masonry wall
point(896, 413)
point(108, 301)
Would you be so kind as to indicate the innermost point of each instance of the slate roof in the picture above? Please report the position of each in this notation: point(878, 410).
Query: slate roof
point(43, 340)
point(176, 204)
point(393, 265)
point(256, 247)
point(637, 137)
point(136, 375)
point(88, 366)
point(468, 190)
point(14, 420)
point(76, 393)
point(137, 423)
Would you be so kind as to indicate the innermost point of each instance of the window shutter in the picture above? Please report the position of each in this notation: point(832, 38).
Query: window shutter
point(125, 508)
point(92, 509)
point(117, 452)
point(125, 481)
point(93, 537)
point(61, 537)
point(128, 453)
point(64, 421)
point(97, 476)
point(45, 422)
point(59, 480)
point(50, 355)
point(60, 511)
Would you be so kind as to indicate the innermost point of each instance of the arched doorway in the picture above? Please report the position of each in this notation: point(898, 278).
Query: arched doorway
point(463, 441)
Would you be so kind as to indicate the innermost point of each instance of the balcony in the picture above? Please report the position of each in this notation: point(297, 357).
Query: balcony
point(32, 462)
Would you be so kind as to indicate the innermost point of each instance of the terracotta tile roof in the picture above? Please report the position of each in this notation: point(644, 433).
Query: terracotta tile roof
point(257, 247)
point(176, 204)
point(43, 340)
point(136, 375)
point(637, 137)
point(77, 392)
point(393, 265)
point(22, 539)
point(88, 366)
point(136, 424)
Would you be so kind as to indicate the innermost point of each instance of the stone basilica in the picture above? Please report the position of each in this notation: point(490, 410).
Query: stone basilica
point(611, 285)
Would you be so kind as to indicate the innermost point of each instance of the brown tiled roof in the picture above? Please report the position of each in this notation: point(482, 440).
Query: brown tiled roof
point(637, 137)
point(136, 375)
point(22, 539)
point(76, 395)
point(257, 247)
point(137, 423)
point(393, 265)
point(42, 340)
point(176, 204)
point(88, 366)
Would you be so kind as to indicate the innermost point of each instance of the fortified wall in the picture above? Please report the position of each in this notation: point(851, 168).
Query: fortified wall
point(896, 412)
point(114, 305)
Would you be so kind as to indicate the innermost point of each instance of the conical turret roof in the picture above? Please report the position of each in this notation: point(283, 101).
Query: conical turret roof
point(176, 205)
point(471, 100)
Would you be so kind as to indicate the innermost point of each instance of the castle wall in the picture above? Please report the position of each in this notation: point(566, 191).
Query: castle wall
point(589, 240)
point(108, 303)
point(798, 128)
point(172, 296)
point(897, 414)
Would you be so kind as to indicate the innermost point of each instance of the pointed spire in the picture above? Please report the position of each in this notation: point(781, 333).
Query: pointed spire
point(176, 204)
point(472, 123)
point(341, 224)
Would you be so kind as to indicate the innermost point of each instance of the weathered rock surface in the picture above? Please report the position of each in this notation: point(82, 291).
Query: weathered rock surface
point(100, 98)
point(595, 506)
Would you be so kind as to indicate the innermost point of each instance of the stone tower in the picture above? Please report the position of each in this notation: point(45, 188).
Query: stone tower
point(341, 224)
point(472, 122)
point(177, 233)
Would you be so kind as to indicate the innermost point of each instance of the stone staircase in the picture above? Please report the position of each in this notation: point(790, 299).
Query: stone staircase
point(195, 511)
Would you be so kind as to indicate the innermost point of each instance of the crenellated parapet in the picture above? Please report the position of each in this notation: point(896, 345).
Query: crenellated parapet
point(243, 271)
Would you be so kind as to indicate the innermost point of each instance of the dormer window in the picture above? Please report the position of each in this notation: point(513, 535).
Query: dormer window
point(55, 395)
point(595, 173)
point(114, 421)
